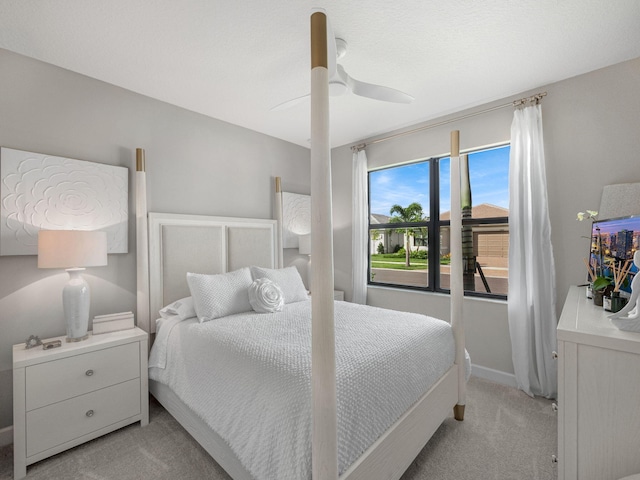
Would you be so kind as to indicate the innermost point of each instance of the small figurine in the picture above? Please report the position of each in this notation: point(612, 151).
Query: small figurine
point(32, 341)
point(631, 309)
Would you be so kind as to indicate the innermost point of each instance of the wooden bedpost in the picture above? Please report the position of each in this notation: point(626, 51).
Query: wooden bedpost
point(142, 244)
point(457, 288)
point(324, 450)
point(278, 214)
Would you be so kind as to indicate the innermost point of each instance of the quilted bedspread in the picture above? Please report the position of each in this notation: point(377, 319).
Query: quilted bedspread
point(248, 377)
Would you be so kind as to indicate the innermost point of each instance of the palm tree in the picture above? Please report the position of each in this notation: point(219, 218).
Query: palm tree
point(412, 213)
point(469, 261)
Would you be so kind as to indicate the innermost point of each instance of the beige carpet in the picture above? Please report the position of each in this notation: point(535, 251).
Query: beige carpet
point(505, 436)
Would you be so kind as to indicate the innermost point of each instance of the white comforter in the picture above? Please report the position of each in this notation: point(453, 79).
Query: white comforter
point(248, 377)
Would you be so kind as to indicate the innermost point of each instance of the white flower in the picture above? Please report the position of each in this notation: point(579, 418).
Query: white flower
point(590, 214)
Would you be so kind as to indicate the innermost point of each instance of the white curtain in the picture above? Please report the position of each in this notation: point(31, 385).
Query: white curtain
point(360, 232)
point(532, 283)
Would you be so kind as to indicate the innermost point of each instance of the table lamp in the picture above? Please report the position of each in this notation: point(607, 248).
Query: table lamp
point(73, 250)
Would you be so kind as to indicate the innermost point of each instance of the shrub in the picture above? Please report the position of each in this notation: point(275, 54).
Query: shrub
point(397, 248)
point(420, 254)
point(380, 248)
point(401, 252)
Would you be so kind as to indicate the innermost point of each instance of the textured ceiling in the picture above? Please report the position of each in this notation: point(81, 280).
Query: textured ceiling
point(234, 60)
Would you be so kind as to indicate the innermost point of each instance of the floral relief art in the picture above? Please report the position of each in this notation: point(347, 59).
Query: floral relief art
point(296, 218)
point(44, 192)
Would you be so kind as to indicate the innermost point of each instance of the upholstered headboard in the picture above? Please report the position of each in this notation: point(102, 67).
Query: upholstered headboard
point(201, 244)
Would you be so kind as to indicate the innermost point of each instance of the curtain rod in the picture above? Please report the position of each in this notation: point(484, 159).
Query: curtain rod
point(516, 103)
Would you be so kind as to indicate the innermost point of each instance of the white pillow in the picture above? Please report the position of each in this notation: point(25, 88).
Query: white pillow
point(216, 296)
point(182, 308)
point(288, 279)
point(265, 296)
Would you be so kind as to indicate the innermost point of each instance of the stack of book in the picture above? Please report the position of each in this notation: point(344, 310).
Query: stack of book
point(112, 322)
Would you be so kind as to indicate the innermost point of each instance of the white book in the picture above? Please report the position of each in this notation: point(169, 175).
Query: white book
point(106, 325)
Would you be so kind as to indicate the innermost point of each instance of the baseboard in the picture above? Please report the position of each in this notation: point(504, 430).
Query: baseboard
point(6, 436)
point(503, 378)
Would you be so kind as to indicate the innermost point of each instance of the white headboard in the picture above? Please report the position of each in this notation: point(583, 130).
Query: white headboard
point(201, 244)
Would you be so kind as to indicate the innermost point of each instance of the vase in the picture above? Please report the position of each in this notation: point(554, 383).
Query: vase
point(598, 296)
point(617, 302)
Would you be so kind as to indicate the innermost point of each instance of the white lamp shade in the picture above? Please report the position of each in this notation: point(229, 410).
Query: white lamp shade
point(71, 248)
point(304, 244)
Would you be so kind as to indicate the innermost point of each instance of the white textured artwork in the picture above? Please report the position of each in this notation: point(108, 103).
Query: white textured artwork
point(43, 192)
point(296, 218)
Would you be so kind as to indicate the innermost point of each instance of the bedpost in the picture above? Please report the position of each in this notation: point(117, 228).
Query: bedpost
point(456, 285)
point(142, 244)
point(278, 214)
point(324, 449)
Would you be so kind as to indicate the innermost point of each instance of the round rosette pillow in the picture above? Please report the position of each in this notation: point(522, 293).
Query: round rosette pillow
point(265, 296)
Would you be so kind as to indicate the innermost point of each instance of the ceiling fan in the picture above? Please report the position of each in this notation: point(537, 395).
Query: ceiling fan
point(341, 83)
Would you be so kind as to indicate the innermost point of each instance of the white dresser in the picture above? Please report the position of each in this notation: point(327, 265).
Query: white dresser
point(598, 394)
point(68, 395)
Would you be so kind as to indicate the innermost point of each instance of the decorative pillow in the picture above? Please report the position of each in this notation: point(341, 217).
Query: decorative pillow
point(265, 296)
point(182, 308)
point(216, 296)
point(288, 279)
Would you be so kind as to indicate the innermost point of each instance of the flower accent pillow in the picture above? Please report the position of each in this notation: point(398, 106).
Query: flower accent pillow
point(265, 296)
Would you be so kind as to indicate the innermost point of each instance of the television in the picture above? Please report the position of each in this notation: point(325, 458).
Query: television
point(615, 241)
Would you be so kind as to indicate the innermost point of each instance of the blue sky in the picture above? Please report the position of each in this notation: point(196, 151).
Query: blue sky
point(489, 170)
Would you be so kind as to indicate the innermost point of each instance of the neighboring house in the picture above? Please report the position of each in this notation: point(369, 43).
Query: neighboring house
point(490, 242)
point(387, 239)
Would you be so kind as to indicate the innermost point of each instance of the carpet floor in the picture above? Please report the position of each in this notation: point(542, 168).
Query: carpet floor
point(506, 435)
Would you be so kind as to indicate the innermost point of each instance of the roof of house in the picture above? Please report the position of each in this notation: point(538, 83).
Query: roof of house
point(484, 210)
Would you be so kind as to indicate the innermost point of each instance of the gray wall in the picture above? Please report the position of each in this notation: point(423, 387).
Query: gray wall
point(591, 140)
point(195, 164)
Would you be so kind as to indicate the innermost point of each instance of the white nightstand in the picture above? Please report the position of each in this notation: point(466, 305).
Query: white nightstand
point(68, 395)
point(338, 295)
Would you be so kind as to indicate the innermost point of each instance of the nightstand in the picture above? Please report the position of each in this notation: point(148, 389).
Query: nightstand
point(338, 295)
point(68, 395)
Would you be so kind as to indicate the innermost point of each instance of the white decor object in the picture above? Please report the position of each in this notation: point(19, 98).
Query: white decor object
point(598, 391)
point(66, 396)
point(296, 218)
point(113, 322)
point(73, 250)
point(44, 192)
point(532, 283)
point(628, 317)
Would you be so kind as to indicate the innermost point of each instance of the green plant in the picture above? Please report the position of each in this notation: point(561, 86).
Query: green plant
point(396, 248)
point(380, 248)
point(421, 254)
point(602, 283)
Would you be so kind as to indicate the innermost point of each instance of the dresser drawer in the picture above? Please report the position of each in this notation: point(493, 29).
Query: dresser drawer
point(64, 421)
point(69, 377)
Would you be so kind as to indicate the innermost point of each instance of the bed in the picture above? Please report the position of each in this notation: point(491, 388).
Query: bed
point(169, 246)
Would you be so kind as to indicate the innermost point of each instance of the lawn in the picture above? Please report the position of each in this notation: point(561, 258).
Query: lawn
point(396, 262)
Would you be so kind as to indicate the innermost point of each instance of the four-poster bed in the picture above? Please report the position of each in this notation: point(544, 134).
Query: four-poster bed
point(178, 244)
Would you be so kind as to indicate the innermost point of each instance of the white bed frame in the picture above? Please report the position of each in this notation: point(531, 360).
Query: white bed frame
point(170, 245)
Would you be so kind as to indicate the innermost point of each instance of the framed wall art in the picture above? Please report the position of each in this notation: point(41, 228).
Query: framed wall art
point(44, 192)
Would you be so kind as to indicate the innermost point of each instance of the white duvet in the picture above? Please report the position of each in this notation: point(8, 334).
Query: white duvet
point(248, 377)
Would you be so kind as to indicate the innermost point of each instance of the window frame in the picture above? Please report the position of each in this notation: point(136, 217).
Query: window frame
point(433, 226)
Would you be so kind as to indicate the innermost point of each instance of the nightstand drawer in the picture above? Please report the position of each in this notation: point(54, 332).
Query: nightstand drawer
point(58, 380)
point(62, 422)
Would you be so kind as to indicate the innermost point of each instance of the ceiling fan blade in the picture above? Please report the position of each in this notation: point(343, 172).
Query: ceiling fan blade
point(289, 103)
point(377, 92)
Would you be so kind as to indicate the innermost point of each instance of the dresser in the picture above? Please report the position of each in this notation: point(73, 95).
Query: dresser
point(71, 394)
point(598, 394)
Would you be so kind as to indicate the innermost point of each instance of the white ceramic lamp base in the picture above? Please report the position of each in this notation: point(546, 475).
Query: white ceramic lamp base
point(76, 300)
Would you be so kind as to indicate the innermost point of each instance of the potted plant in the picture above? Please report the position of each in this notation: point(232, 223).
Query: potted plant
point(602, 286)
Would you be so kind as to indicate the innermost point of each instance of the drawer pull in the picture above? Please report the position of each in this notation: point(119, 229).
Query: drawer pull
point(554, 459)
point(554, 407)
point(89, 413)
point(554, 355)
point(88, 373)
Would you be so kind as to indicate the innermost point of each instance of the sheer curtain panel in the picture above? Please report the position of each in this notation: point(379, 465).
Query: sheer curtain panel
point(360, 235)
point(532, 285)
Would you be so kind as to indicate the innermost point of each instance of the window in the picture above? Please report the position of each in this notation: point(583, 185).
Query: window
point(409, 208)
